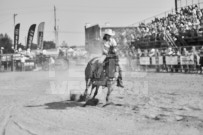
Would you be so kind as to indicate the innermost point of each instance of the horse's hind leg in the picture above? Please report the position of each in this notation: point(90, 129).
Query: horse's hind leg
point(88, 84)
point(108, 94)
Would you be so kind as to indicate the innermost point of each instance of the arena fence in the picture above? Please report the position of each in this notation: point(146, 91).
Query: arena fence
point(158, 63)
point(187, 63)
point(13, 62)
point(169, 63)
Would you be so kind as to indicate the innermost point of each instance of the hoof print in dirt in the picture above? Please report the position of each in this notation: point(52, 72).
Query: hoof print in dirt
point(92, 102)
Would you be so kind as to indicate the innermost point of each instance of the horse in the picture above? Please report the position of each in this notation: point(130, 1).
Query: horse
point(103, 73)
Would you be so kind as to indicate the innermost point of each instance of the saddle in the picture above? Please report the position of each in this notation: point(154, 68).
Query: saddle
point(105, 66)
point(105, 69)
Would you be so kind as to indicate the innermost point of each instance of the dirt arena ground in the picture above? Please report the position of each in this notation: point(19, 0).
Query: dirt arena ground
point(150, 104)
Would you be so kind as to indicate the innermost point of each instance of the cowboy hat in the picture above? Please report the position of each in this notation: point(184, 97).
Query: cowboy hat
point(109, 32)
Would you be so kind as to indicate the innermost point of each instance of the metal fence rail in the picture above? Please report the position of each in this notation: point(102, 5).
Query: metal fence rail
point(13, 62)
point(176, 64)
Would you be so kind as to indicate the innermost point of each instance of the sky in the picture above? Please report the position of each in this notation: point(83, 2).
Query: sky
point(72, 15)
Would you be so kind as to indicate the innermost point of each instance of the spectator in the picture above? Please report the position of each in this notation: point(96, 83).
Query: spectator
point(152, 52)
point(178, 53)
point(12, 50)
point(19, 50)
point(44, 52)
point(139, 52)
point(196, 24)
point(194, 51)
point(23, 59)
point(51, 63)
point(201, 59)
point(2, 50)
point(185, 52)
point(169, 51)
point(28, 51)
point(145, 54)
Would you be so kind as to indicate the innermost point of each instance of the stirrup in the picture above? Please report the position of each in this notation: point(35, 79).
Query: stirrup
point(119, 84)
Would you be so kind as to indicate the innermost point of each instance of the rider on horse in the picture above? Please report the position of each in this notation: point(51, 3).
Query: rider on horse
point(108, 42)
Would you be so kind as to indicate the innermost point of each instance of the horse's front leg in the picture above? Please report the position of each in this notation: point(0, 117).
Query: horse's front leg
point(93, 86)
point(96, 91)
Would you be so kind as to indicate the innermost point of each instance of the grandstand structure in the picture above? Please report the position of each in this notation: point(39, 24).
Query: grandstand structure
point(182, 27)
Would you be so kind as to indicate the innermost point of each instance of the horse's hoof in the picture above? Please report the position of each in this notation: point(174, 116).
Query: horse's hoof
point(92, 102)
point(88, 97)
point(82, 98)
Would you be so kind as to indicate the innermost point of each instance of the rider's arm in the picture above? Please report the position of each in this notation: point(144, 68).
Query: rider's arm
point(105, 48)
point(113, 43)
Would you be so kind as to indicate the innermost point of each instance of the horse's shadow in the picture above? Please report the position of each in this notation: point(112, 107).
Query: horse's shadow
point(59, 105)
point(67, 104)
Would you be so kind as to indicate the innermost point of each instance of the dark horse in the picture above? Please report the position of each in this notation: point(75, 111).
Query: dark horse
point(102, 73)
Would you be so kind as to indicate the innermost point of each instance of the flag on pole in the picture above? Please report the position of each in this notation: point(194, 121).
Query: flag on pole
point(40, 35)
point(30, 36)
point(16, 35)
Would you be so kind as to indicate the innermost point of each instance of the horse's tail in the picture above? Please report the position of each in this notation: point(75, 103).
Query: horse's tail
point(89, 71)
point(88, 75)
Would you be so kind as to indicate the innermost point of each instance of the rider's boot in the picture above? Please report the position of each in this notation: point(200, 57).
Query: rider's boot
point(120, 83)
point(119, 80)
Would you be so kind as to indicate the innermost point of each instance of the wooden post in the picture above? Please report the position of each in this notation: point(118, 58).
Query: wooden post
point(176, 5)
point(6, 62)
point(157, 60)
point(12, 63)
point(0, 63)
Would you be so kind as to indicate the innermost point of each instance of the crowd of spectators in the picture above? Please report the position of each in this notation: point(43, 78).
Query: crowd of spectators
point(186, 22)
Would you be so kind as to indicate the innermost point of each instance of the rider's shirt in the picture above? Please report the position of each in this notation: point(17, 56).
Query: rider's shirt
point(107, 44)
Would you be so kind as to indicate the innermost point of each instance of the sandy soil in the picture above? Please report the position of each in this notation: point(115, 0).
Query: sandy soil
point(150, 104)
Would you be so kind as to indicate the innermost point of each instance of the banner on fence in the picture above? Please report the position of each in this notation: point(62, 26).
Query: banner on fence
point(144, 60)
point(187, 60)
point(6, 58)
point(157, 60)
point(3, 58)
point(16, 56)
point(171, 60)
